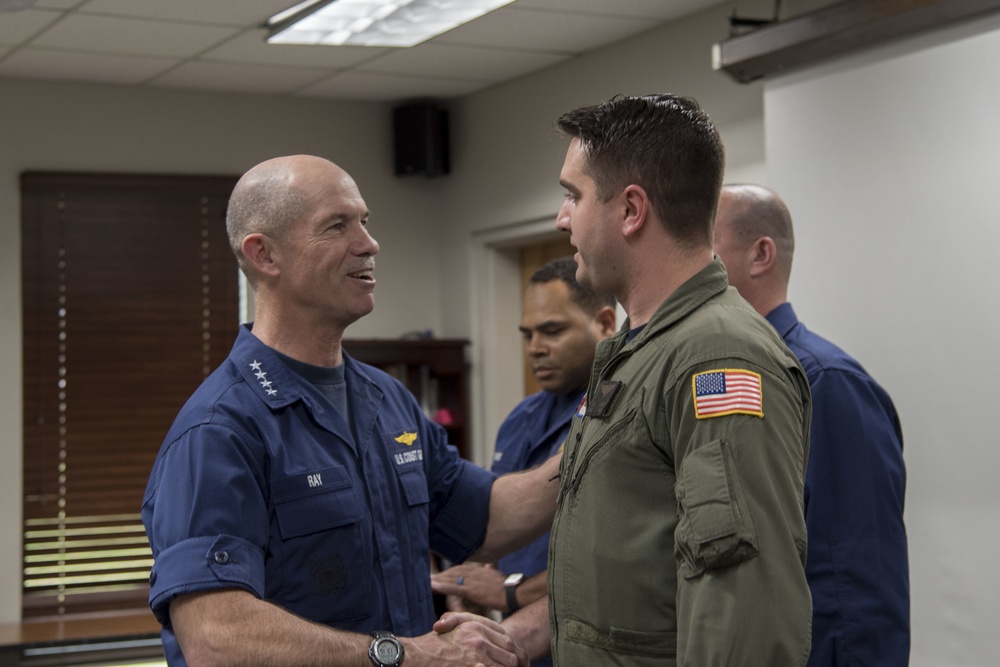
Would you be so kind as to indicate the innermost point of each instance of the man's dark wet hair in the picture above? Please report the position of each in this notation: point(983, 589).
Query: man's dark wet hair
point(663, 143)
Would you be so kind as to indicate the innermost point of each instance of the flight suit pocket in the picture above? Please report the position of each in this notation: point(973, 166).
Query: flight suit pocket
point(618, 641)
point(714, 529)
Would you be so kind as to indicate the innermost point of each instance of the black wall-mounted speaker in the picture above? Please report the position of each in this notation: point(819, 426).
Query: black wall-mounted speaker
point(421, 133)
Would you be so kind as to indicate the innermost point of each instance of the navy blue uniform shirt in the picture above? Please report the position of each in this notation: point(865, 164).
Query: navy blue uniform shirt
point(260, 485)
point(857, 565)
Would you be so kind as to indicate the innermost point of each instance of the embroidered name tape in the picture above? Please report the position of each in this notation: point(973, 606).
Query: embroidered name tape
point(727, 391)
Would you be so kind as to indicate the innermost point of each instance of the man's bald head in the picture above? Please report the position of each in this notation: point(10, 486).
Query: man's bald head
point(270, 197)
point(749, 212)
point(754, 238)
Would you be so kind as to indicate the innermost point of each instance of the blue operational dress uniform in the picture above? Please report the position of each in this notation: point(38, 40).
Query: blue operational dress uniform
point(262, 485)
point(532, 432)
point(855, 482)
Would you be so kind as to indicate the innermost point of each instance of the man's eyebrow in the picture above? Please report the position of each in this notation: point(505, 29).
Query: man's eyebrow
point(346, 217)
point(547, 324)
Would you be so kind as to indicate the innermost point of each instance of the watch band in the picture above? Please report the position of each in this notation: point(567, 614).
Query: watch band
point(512, 604)
point(510, 585)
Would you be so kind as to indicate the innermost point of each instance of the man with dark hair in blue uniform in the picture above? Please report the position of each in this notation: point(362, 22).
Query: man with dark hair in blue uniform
point(296, 499)
point(855, 480)
point(561, 322)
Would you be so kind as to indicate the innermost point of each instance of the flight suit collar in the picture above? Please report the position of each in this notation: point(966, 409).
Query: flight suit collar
point(699, 288)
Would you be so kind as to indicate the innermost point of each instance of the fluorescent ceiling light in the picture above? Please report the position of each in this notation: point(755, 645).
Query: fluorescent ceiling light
point(373, 22)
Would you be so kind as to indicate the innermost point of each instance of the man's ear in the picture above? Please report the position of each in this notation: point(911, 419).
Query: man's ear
point(258, 250)
point(636, 209)
point(764, 254)
point(605, 321)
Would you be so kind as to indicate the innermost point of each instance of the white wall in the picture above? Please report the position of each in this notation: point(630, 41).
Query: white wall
point(889, 163)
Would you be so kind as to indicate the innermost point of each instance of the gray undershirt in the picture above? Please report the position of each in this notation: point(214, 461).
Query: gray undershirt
point(331, 382)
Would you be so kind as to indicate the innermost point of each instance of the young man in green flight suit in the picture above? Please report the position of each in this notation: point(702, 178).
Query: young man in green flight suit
point(679, 536)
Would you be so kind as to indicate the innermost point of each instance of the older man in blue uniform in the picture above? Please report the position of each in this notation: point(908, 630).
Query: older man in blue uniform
point(855, 480)
point(295, 501)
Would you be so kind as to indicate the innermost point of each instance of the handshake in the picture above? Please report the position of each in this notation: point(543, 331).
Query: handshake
point(467, 640)
point(466, 636)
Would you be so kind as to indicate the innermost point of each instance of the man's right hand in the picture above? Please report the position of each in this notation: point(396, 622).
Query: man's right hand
point(467, 640)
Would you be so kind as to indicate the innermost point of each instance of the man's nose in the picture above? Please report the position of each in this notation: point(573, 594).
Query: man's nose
point(366, 244)
point(535, 346)
point(562, 219)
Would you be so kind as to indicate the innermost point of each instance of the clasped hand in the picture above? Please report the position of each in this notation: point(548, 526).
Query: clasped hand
point(466, 640)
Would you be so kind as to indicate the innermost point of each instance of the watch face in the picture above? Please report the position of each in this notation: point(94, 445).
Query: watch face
point(387, 651)
point(513, 579)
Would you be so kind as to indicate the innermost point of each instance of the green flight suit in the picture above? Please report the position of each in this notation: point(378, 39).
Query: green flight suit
point(679, 537)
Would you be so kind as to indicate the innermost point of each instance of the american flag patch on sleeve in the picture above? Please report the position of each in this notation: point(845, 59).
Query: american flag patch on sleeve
point(727, 391)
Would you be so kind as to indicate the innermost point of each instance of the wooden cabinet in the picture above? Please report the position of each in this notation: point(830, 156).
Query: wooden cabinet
point(434, 370)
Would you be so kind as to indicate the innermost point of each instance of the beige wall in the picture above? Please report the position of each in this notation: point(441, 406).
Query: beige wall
point(505, 165)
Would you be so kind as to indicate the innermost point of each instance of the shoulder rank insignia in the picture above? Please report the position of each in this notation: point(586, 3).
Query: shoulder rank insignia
point(727, 391)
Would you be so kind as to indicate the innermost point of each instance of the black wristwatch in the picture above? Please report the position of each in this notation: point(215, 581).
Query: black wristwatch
point(385, 650)
point(510, 585)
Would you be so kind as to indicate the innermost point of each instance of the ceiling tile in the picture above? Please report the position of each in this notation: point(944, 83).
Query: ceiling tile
point(58, 4)
point(70, 66)
point(658, 9)
point(461, 62)
point(388, 88)
point(238, 78)
point(250, 47)
point(220, 12)
point(18, 27)
point(544, 31)
point(131, 36)
point(219, 45)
